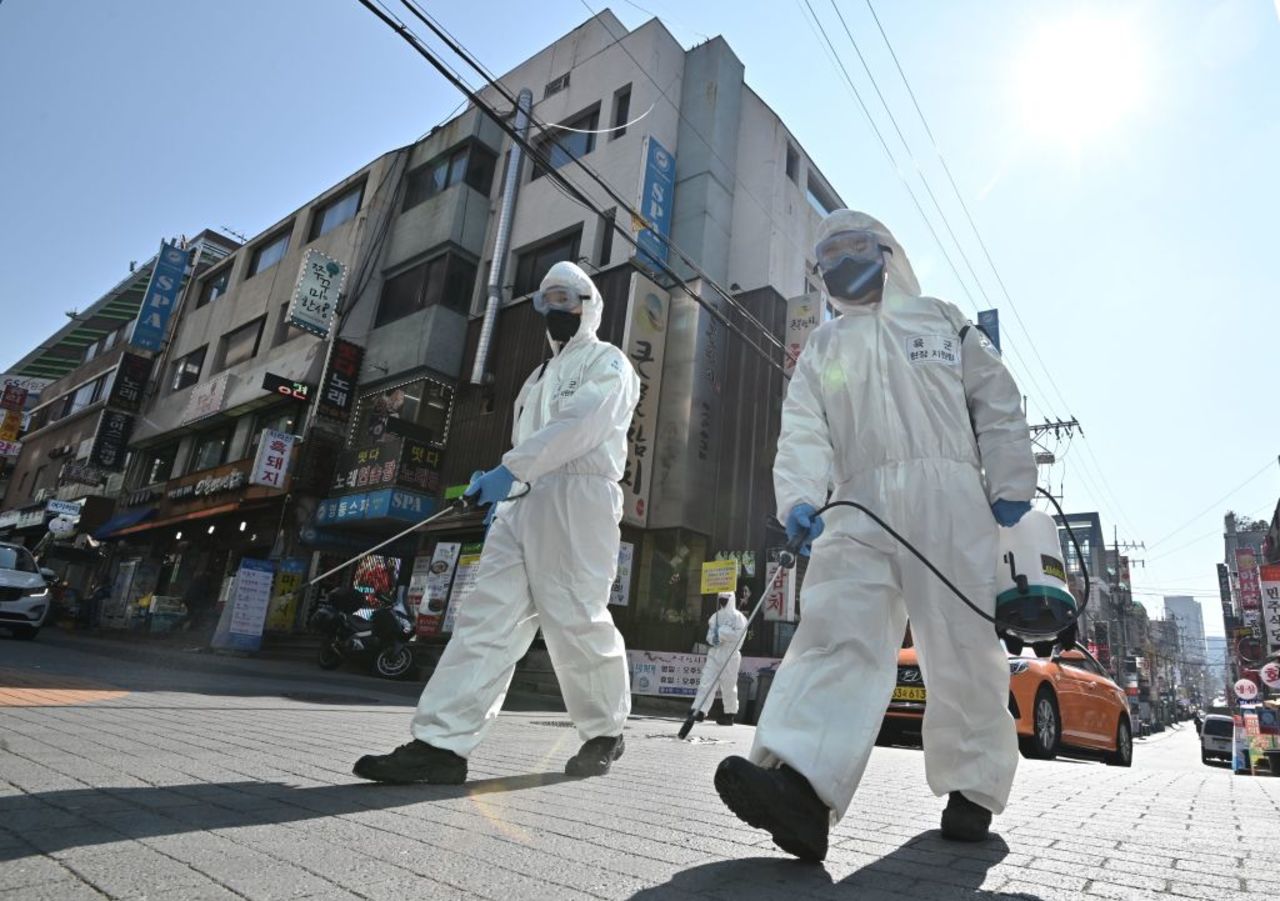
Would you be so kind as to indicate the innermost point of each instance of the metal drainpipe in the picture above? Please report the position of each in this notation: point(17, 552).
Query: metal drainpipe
point(524, 103)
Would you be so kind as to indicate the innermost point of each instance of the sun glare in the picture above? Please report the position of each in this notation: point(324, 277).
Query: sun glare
point(1079, 79)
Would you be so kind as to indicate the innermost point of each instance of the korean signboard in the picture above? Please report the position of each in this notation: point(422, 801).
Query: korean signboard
point(26, 387)
point(464, 582)
point(130, 383)
point(111, 442)
point(400, 461)
point(14, 398)
point(250, 601)
point(989, 322)
point(278, 384)
point(432, 586)
point(271, 465)
point(780, 594)
point(62, 508)
point(719, 575)
point(162, 296)
point(620, 593)
point(657, 197)
point(804, 314)
point(80, 472)
point(1271, 607)
point(206, 399)
point(285, 591)
point(1224, 593)
point(338, 388)
point(315, 297)
point(645, 340)
point(672, 674)
point(388, 503)
point(1247, 569)
point(10, 448)
point(10, 425)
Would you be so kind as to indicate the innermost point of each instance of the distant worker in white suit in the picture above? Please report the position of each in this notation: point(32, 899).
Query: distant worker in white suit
point(549, 558)
point(725, 629)
point(900, 405)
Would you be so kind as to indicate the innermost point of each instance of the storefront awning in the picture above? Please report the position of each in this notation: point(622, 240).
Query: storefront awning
point(122, 521)
point(234, 507)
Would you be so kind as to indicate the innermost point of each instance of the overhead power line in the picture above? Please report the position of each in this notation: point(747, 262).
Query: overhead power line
point(1215, 504)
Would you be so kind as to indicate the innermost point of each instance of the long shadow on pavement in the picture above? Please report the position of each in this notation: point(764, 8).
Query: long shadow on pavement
point(925, 867)
point(61, 820)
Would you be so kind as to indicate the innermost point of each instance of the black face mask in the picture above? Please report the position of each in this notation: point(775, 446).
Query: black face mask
point(562, 326)
point(854, 279)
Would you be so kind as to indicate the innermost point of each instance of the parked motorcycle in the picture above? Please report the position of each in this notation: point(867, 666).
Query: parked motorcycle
point(378, 636)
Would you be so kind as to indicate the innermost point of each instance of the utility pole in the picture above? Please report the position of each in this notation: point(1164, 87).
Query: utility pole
point(1121, 604)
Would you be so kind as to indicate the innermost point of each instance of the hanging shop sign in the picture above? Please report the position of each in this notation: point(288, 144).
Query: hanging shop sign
point(385, 504)
point(206, 399)
point(657, 197)
point(338, 387)
point(645, 340)
point(1270, 592)
point(432, 584)
point(62, 508)
point(271, 464)
point(1247, 570)
point(10, 448)
point(158, 303)
point(14, 398)
point(620, 593)
point(780, 599)
point(278, 384)
point(111, 441)
point(315, 297)
point(1269, 673)
point(719, 575)
point(464, 582)
point(10, 426)
point(396, 460)
point(1224, 593)
point(1246, 689)
point(804, 314)
point(130, 383)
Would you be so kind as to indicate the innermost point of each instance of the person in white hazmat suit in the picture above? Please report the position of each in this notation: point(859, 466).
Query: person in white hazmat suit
point(725, 629)
point(899, 405)
point(549, 558)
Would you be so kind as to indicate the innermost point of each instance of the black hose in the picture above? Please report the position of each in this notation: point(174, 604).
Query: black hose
point(796, 543)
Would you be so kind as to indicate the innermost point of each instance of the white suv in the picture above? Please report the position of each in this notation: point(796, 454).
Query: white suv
point(24, 592)
point(1215, 738)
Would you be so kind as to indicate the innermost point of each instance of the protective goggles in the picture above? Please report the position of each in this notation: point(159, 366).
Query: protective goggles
point(849, 245)
point(557, 298)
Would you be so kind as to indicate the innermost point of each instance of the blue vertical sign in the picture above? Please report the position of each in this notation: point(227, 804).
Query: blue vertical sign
point(657, 193)
point(989, 322)
point(161, 297)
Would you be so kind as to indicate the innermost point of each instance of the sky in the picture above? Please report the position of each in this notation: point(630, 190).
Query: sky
point(1119, 161)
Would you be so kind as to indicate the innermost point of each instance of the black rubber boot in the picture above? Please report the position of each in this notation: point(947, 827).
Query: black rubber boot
point(725, 719)
point(964, 821)
point(596, 756)
point(780, 801)
point(415, 762)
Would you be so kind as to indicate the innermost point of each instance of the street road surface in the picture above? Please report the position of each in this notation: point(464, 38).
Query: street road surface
point(130, 774)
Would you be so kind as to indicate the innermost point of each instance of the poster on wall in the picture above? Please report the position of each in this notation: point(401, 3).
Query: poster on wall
point(285, 592)
point(620, 593)
point(248, 605)
point(436, 582)
point(464, 582)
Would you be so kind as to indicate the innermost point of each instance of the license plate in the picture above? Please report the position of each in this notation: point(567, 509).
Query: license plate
point(906, 693)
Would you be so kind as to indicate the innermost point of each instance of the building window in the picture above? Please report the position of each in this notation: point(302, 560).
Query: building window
point(285, 331)
point(91, 351)
point(336, 212)
point(820, 197)
point(621, 112)
point(157, 464)
point(472, 163)
point(281, 419)
point(447, 280)
point(242, 344)
point(86, 394)
point(532, 264)
point(555, 87)
point(210, 448)
point(269, 252)
point(110, 340)
point(186, 371)
point(793, 164)
point(419, 410)
point(214, 286)
point(572, 140)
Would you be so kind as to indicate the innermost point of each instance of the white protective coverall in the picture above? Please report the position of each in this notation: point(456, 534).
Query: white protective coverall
point(887, 408)
point(725, 627)
point(551, 555)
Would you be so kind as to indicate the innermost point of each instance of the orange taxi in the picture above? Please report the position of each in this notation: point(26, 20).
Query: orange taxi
point(1067, 703)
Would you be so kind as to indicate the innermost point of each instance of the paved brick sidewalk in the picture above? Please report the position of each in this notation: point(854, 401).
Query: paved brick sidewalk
point(214, 786)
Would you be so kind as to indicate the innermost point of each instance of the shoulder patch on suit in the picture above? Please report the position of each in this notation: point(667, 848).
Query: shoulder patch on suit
point(943, 349)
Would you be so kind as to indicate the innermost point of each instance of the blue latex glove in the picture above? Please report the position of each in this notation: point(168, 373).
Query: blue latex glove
point(803, 520)
point(490, 489)
point(1007, 513)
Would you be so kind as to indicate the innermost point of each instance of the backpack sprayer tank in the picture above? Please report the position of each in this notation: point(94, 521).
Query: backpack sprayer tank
point(1033, 603)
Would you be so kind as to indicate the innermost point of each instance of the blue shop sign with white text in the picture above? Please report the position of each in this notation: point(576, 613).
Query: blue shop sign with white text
point(152, 324)
point(657, 196)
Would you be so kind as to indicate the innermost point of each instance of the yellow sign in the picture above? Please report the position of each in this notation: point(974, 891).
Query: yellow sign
point(719, 575)
point(283, 606)
point(11, 425)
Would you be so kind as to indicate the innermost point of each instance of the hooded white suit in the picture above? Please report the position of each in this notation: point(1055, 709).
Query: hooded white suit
point(889, 407)
point(725, 629)
point(551, 555)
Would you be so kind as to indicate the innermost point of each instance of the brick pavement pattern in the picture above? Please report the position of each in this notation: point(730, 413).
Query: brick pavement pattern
point(232, 780)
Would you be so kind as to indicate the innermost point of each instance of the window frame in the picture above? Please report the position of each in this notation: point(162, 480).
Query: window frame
point(429, 293)
point(585, 124)
point(153, 456)
point(179, 366)
point(225, 341)
point(445, 162)
point(792, 165)
point(280, 237)
point(318, 213)
point(228, 429)
point(621, 111)
point(527, 280)
point(209, 280)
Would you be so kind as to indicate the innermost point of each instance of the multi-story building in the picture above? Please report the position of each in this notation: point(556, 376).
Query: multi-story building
point(1099, 624)
point(1187, 613)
